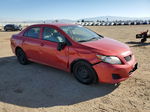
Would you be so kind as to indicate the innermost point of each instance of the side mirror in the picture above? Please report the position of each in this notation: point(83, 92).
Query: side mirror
point(61, 45)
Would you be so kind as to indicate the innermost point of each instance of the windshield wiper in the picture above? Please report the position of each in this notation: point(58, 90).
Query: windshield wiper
point(88, 39)
point(82, 40)
point(93, 38)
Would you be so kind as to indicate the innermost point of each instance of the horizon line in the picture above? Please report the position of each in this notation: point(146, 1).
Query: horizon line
point(26, 20)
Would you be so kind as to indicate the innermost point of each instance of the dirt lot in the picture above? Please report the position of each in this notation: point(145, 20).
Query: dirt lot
point(38, 88)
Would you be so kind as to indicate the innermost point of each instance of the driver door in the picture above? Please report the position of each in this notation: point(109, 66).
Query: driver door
point(49, 53)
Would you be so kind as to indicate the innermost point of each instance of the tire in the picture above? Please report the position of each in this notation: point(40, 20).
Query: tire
point(143, 40)
point(21, 56)
point(84, 73)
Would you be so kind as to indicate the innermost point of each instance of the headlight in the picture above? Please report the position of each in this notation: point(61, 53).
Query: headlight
point(109, 59)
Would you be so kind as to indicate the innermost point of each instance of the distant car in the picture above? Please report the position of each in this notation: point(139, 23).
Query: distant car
point(12, 27)
point(76, 49)
point(103, 23)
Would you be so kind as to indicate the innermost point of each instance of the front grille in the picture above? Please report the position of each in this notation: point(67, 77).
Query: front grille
point(128, 58)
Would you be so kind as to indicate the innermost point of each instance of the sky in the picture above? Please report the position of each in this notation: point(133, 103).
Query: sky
point(72, 9)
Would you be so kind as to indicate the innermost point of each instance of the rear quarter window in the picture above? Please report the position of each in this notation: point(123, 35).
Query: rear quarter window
point(32, 32)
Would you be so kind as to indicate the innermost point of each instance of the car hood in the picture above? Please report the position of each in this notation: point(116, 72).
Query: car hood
point(107, 46)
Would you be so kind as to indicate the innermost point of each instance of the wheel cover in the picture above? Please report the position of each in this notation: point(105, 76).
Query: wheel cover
point(83, 72)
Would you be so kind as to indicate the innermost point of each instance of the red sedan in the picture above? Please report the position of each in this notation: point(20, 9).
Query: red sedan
point(76, 49)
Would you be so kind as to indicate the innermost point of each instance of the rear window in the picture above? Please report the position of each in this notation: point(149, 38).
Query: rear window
point(33, 32)
point(9, 25)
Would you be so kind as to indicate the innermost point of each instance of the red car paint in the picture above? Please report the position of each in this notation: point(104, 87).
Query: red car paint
point(45, 52)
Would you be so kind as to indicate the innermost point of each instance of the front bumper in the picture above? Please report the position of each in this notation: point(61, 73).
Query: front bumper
point(106, 72)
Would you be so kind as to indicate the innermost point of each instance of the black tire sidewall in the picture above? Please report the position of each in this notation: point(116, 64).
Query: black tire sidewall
point(92, 77)
point(25, 58)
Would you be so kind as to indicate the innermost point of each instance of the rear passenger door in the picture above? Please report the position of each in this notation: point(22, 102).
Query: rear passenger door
point(31, 43)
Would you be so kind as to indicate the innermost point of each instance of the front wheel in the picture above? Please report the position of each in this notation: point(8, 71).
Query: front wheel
point(21, 57)
point(84, 73)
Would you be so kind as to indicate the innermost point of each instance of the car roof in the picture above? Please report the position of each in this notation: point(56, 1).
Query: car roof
point(54, 24)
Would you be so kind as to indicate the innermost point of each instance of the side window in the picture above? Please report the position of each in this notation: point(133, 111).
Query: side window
point(53, 35)
point(33, 32)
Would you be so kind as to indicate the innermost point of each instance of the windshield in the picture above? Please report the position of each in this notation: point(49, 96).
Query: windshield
point(80, 34)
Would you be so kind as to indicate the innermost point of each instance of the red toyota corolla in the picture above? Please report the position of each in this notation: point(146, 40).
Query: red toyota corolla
point(76, 49)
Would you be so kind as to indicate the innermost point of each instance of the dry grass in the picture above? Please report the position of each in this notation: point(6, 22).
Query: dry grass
point(38, 88)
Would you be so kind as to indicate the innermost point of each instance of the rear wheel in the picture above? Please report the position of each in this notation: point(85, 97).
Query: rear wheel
point(84, 72)
point(21, 57)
